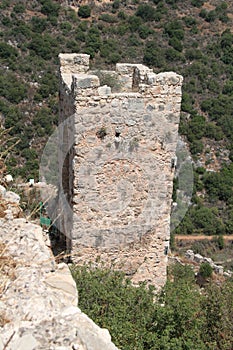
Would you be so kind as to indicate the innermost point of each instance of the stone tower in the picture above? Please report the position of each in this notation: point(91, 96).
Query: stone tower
point(117, 160)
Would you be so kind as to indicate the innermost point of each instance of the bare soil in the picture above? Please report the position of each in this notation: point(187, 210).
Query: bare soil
point(201, 237)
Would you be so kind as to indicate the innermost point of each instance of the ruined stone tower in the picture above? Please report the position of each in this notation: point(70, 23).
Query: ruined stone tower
point(117, 160)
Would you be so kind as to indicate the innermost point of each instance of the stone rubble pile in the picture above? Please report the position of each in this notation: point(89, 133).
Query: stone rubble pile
point(40, 303)
point(201, 259)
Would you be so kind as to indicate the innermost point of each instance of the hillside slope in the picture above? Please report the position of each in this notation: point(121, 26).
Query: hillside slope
point(192, 37)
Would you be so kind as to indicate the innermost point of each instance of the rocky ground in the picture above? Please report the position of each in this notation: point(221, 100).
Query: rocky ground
point(38, 305)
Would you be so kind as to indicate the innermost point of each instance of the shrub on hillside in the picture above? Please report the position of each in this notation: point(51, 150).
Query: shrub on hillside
point(144, 31)
point(84, 11)
point(50, 8)
point(7, 51)
point(146, 12)
point(197, 3)
point(12, 88)
point(108, 18)
point(19, 8)
point(205, 270)
point(220, 242)
point(154, 55)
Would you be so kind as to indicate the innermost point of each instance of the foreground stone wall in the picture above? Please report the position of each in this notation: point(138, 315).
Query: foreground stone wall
point(38, 308)
point(119, 165)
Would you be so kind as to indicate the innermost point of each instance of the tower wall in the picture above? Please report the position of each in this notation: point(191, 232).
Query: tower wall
point(120, 166)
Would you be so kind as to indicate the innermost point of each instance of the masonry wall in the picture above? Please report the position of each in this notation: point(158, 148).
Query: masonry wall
point(118, 174)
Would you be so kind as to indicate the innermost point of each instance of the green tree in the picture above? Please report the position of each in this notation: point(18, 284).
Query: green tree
point(219, 185)
point(84, 11)
point(112, 302)
point(12, 88)
point(7, 51)
point(19, 8)
point(196, 147)
point(228, 88)
point(205, 270)
point(43, 122)
point(134, 23)
point(146, 12)
point(38, 24)
point(44, 46)
point(108, 18)
point(50, 8)
point(93, 40)
point(197, 3)
point(48, 85)
point(176, 44)
point(144, 31)
point(174, 29)
point(220, 242)
point(218, 328)
point(180, 317)
point(153, 55)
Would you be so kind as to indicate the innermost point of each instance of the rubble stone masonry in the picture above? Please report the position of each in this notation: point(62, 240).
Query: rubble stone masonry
point(117, 160)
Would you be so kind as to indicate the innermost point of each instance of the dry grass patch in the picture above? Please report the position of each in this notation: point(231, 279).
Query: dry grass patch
point(7, 274)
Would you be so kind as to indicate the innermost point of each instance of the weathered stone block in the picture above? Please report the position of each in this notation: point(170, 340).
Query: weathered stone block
point(74, 63)
point(104, 90)
point(189, 255)
point(198, 258)
point(219, 269)
point(85, 81)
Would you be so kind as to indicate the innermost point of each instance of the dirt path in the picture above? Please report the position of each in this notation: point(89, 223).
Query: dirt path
point(201, 237)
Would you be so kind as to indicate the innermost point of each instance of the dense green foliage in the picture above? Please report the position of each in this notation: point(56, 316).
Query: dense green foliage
point(183, 36)
point(205, 270)
point(182, 318)
point(84, 11)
